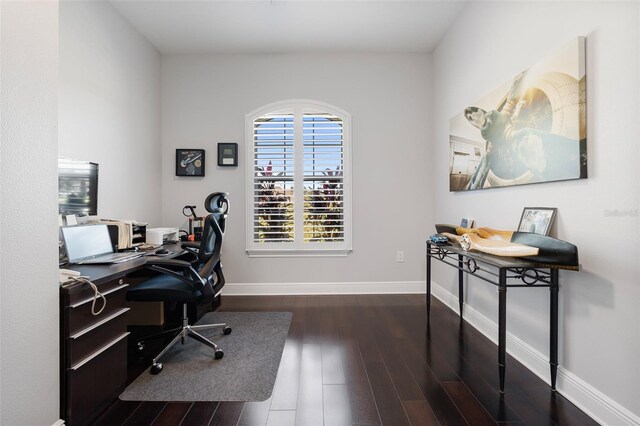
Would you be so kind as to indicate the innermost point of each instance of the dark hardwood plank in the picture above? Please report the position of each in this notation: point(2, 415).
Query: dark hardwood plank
point(520, 400)
point(389, 406)
point(281, 418)
point(309, 410)
point(172, 414)
point(255, 413)
point(370, 360)
point(117, 413)
point(299, 308)
point(420, 413)
point(145, 414)
point(332, 352)
point(360, 322)
point(363, 406)
point(565, 413)
point(479, 354)
point(468, 404)
point(332, 368)
point(455, 368)
point(446, 411)
point(401, 377)
point(337, 410)
point(227, 413)
point(285, 389)
point(200, 413)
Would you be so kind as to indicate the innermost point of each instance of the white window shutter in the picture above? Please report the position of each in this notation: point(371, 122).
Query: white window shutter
point(323, 170)
point(299, 180)
point(273, 173)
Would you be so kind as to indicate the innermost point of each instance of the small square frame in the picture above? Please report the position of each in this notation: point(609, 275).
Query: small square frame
point(466, 222)
point(537, 220)
point(226, 149)
point(189, 162)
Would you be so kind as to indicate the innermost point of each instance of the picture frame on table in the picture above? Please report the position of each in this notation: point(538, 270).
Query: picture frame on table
point(189, 162)
point(537, 220)
point(467, 223)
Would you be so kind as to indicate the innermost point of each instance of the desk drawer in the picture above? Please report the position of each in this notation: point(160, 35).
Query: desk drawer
point(94, 383)
point(79, 317)
point(78, 293)
point(85, 342)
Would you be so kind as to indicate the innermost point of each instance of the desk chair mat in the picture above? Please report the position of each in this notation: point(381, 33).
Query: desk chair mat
point(252, 354)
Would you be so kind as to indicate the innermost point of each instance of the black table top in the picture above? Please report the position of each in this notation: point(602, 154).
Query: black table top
point(497, 261)
point(106, 272)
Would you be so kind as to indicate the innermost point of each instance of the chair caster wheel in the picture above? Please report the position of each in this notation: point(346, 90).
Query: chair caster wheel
point(218, 354)
point(156, 368)
point(226, 331)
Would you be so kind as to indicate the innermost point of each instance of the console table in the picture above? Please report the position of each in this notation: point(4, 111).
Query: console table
point(503, 272)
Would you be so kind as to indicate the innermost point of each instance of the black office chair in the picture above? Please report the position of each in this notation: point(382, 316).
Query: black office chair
point(187, 282)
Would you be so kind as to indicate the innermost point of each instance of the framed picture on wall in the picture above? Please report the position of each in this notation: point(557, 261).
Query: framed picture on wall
point(228, 154)
point(537, 220)
point(189, 162)
point(530, 129)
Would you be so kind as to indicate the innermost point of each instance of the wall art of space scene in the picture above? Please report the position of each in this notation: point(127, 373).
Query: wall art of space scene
point(531, 129)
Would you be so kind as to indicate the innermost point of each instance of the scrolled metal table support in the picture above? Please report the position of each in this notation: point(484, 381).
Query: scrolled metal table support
point(503, 273)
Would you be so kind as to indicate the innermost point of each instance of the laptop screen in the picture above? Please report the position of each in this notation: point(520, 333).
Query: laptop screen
point(86, 241)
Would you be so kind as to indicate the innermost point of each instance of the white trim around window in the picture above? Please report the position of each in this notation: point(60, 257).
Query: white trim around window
point(298, 181)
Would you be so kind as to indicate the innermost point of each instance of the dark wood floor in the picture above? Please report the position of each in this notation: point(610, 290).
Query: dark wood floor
point(365, 360)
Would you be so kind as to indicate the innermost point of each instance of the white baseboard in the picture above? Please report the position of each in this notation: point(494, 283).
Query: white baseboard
point(596, 404)
point(270, 289)
point(59, 422)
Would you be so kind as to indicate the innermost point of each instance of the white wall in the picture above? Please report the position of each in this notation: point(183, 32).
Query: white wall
point(28, 238)
point(600, 321)
point(110, 107)
point(205, 100)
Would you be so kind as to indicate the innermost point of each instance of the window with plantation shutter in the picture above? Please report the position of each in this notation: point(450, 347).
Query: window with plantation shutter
point(298, 180)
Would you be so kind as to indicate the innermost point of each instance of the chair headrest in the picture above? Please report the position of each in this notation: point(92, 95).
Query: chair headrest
point(217, 202)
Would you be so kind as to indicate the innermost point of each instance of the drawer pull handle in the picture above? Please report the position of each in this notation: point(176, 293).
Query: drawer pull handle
point(99, 351)
point(104, 293)
point(99, 323)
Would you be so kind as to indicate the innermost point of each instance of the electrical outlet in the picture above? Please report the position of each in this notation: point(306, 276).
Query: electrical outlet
point(400, 256)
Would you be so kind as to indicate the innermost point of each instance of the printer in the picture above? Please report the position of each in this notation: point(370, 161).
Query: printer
point(159, 236)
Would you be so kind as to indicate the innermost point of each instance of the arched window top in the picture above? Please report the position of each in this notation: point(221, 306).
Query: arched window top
point(306, 105)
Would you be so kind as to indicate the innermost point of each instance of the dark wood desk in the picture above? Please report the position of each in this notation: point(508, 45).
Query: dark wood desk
point(93, 348)
point(503, 272)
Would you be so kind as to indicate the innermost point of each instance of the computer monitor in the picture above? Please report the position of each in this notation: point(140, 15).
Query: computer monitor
point(77, 187)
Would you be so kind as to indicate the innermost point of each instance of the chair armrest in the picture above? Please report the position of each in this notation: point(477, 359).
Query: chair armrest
point(161, 265)
point(191, 247)
point(168, 262)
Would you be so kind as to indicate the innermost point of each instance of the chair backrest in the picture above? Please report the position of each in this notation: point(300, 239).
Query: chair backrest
point(210, 249)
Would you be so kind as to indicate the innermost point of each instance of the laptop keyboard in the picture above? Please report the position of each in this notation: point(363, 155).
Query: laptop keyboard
point(113, 257)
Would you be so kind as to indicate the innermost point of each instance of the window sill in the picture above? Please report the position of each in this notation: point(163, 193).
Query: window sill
point(298, 253)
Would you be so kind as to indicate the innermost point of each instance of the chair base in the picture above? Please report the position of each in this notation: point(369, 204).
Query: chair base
point(183, 332)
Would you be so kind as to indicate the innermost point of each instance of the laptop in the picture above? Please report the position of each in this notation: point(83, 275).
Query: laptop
point(91, 244)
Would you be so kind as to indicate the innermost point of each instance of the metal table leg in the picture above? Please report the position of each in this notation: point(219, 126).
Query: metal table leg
point(553, 312)
point(428, 295)
point(460, 282)
point(502, 326)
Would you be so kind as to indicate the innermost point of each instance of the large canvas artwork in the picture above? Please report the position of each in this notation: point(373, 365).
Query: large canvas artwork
point(531, 129)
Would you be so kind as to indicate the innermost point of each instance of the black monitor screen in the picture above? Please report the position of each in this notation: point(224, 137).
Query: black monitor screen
point(77, 187)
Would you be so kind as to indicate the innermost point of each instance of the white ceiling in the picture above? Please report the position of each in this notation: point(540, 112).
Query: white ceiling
point(290, 26)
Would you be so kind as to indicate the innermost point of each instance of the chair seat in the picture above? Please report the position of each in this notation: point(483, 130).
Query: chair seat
point(163, 288)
